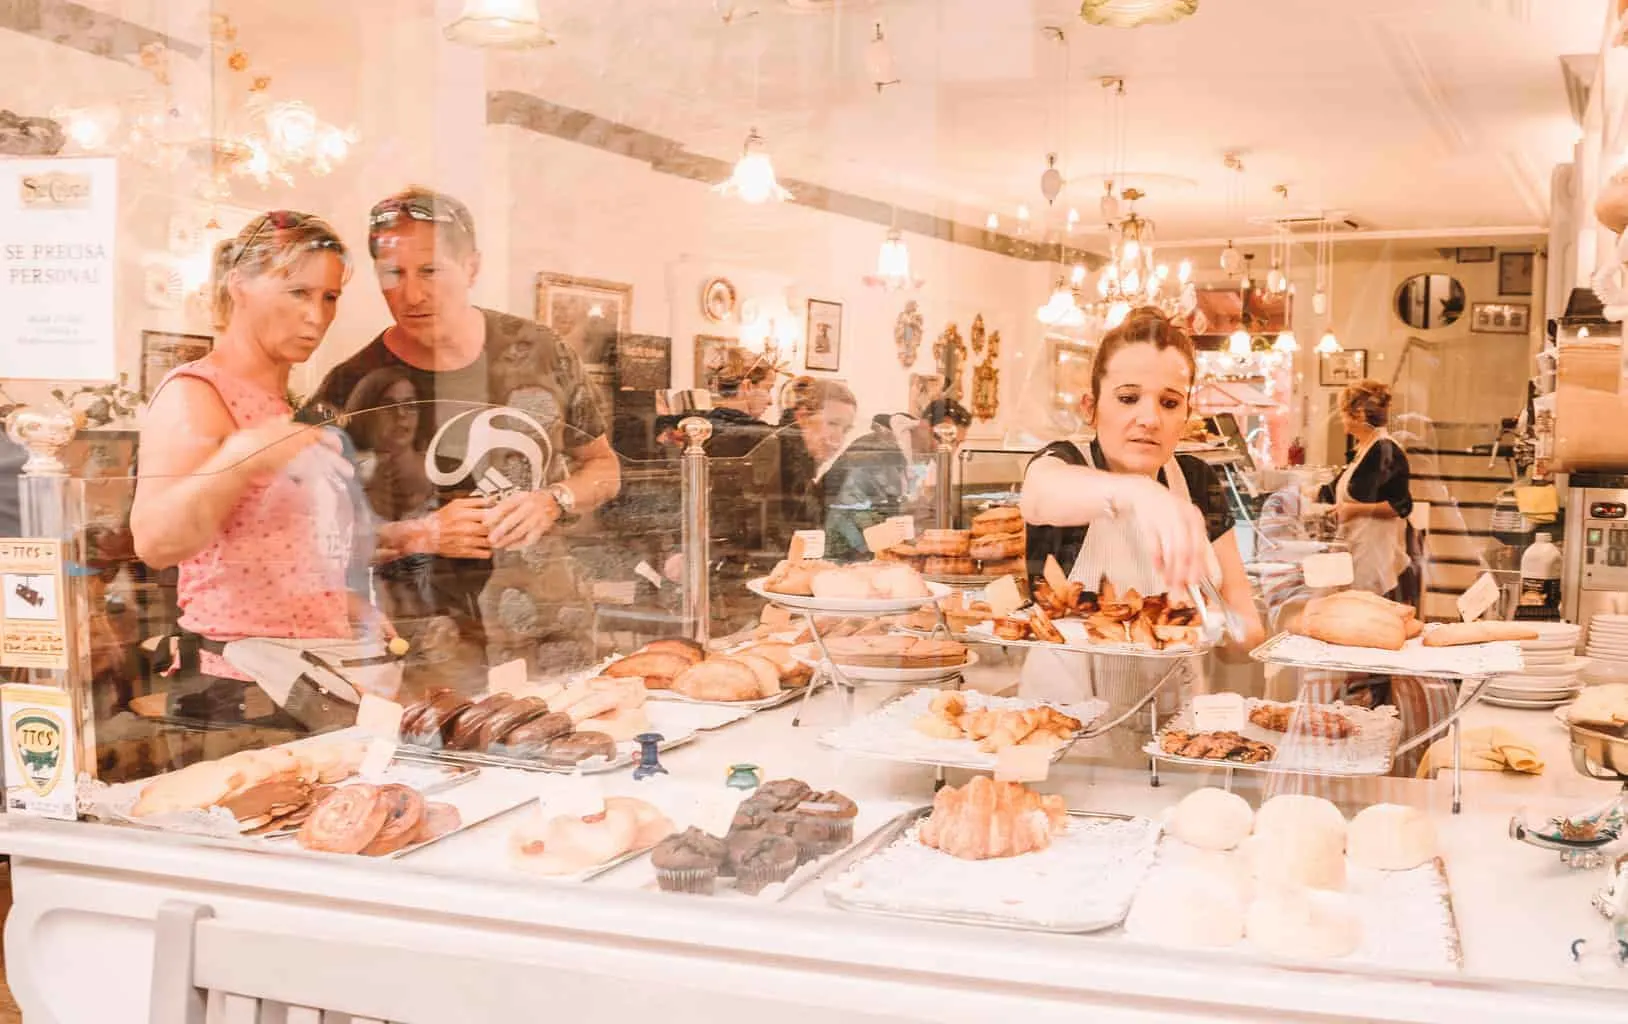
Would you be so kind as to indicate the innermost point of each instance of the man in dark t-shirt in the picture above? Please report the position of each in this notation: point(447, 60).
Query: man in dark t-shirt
point(478, 436)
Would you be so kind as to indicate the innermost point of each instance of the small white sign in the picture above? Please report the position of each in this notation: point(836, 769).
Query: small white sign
point(811, 543)
point(380, 752)
point(1479, 599)
point(41, 778)
point(1327, 571)
point(907, 526)
point(1219, 712)
point(650, 575)
point(1003, 596)
point(379, 718)
point(884, 535)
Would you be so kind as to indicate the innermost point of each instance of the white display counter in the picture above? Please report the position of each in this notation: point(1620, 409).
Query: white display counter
point(424, 941)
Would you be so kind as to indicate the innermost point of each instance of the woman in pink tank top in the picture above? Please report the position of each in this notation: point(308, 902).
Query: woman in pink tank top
point(234, 492)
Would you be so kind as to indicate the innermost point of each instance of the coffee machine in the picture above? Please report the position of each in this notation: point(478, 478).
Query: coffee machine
point(1594, 574)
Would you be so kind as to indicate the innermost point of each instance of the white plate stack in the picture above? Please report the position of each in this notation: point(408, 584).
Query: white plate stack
point(1553, 671)
point(1608, 649)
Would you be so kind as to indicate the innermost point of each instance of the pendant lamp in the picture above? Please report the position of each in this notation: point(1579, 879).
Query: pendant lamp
point(500, 24)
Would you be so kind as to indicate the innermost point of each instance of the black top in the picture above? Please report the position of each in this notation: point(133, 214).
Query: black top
point(864, 486)
point(1382, 475)
point(1064, 542)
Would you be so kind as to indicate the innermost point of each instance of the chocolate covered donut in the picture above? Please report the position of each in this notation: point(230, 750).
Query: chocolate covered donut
point(508, 718)
point(466, 735)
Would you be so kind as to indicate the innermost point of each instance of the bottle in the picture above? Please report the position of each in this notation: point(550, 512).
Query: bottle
point(1540, 582)
point(1297, 452)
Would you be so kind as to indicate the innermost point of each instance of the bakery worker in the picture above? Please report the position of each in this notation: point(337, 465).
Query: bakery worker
point(1127, 508)
point(511, 436)
point(1371, 497)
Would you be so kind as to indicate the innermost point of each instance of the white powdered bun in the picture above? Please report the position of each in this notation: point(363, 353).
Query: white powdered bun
point(1302, 924)
point(1294, 812)
point(1212, 819)
point(1189, 906)
point(1313, 857)
point(1230, 867)
point(1391, 837)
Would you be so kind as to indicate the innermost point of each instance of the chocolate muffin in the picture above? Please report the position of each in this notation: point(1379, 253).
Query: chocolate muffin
point(758, 860)
point(574, 748)
point(783, 794)
point(688, 862)
point(825, 822)
point(754, 815)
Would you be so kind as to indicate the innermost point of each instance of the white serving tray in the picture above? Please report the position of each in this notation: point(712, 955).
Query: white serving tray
point(887, 733)
point(848, 606)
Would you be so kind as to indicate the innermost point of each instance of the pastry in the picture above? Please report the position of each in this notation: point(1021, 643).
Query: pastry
point(766, 671)
point(757, 860)
point(346, 820)
point(1351, 621)
point(1455, 634)
point(986, 819)
point(1191, 907)
point(1303, 720)
point(782, 794)
point(528, 739)
point(1006, 567)
point(1313, 858)
point(621, 725)
point(1391, 837)
point(574, 748)
point(954, 543)
point(717, 679)
point(688, 862)
point(506, 719)
point(793, 673)
point(435, 722)
point(795, 578)
point(439, 819)
point(275, 797)
point(948, 565)
point(1298, 812)
point(824, 823)
point(1215, 746)
point(566, 844)
point(656, 668)
point(1041, 627)
point(335, 761)
point(896, 652)
point(193, 787)
point(1000, 519)
point(605, 695)
point(404, 812)
point(467, 733)
point(651, 826)
point(1012, 629)
point(1212, 819)
point(903, 552)
point(996, 546)
point(687, 649)
point(1301, 924)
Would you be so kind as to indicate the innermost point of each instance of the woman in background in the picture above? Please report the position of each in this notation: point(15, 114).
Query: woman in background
point(1371, 498)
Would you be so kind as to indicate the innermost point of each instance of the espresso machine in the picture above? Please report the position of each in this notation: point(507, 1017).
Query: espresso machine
point(1594, 574)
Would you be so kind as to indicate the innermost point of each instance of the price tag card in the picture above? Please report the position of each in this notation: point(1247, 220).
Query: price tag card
point(907, 524)
point(1019, 763)
point(508, 677)
point(883, 535)
point(806, 544)
point(380, 752)
point(1479, 599)
point(775, 617)
point(379, 718)
point(1054, 576)
point(1003, 596)
point(650, 575)
point(1219, 712)
point(1330, 570)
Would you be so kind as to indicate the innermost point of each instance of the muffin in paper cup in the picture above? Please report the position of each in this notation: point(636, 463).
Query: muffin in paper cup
point(697, 881)
point(774, 860)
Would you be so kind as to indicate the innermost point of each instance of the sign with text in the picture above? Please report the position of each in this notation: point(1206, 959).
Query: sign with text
point(39, 744)
point(58, 222)
point(33, 629)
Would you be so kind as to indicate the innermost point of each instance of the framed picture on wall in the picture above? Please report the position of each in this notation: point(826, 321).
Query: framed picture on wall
point(711, 351)
point(925, 388)
point(1515, 272)
point(575, 306)
point(1337, 369)
point(163, 351)
point(1501, 317)
point(824, 338)
point(1070, 363)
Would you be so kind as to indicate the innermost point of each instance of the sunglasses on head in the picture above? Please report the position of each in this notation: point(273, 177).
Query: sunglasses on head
point(283, 220)
point(391, 211)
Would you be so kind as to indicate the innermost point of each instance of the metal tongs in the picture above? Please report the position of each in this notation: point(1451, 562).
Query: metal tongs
point(1202, 593)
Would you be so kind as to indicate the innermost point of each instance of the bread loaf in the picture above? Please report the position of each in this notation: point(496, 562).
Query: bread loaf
point(1455, 634)
point(1353, 623)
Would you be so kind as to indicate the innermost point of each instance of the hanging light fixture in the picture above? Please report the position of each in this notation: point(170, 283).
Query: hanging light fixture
point(1238, 343)
point(1062, 309)
point(753, 180)
point(1328, 343)
point(500, 24)
point(992, 222)
point(1134, 13)
point(879, 61)
point(1286, 342)
point(1133, 277)
point(893, 265)
point(1051, 182)
point(1113, 168)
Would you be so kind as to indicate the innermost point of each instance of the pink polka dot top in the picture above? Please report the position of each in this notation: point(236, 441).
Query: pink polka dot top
point(277, 568)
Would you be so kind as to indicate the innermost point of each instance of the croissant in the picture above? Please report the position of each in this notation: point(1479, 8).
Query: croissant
point(986, 819)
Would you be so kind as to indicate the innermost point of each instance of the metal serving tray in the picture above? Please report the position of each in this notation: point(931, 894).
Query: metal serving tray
point(595, 767)
point(1378, 760)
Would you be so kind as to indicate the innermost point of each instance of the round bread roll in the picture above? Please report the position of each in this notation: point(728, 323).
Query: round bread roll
point(899, 581)
point(944, 542)
point(1301, 924)
point(767, 672)
point(996, 546)
point(1212, 819)
point(1293, 812)
point(689, 650)
point(717, 679)
point(1191, 906)
point(1391, 837)
point(654, 667)
point(841, 584)
point(948, 565)
point(1313, 858)
point(1002, 519)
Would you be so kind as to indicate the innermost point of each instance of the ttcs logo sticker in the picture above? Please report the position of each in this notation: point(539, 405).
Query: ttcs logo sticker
point(37, 736)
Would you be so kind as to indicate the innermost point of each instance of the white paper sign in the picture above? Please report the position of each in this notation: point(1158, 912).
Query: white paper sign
point(380, 752)
point(1219, 712)
point(379, 717)
point(813, 543)
point(40, 771)
point(1330, 570)
point(1482, 595)
point(58, 222)
point(907, 526)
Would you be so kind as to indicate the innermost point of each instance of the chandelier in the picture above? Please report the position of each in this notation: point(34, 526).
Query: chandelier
point(1131, 13)
point(753, 180)
point(893, 265)
point(499, 24)
point(1133, 278)
point(1063, 308)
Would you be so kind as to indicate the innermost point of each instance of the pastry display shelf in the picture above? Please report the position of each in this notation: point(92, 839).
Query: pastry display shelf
point(1358, 755)
point(1471, 688)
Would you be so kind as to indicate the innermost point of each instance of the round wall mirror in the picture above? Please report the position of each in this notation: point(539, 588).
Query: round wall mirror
point(1425, 301)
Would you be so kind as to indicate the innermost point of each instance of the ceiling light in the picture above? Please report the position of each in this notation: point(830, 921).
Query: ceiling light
point(992, 223)
point(879, 61)
point(1328, 343)
point(1109, 206)
point(502, 24)
point(1238, 343)
point(1131, 13)
point(1073, 218)
point(1051, 182)
point(1061, 310)
point(1184, 272)
point(1117, 314)
point(1022, 215)
point(1319, 302)
point(1286, 343)
point(1076, 276)
point(893, 265)
point(753, 179)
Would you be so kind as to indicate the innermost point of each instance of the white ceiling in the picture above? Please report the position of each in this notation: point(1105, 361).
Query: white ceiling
point(1410, 114)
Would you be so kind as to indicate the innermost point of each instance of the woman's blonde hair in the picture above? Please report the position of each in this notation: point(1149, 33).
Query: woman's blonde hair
point(1369, 399)
point(271, 243)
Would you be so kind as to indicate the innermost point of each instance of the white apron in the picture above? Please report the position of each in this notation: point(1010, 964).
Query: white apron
point(1379, 547)
point(1112, 549)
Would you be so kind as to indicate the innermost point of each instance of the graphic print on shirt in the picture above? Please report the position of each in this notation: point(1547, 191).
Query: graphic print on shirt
point(491, 445)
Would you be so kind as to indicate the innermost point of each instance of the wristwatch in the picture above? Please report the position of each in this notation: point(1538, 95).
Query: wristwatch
point(566, 500)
